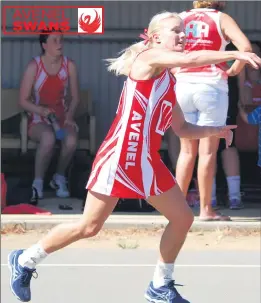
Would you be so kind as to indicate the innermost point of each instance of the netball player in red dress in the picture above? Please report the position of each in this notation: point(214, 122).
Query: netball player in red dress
point(128, 163)
point(43, 89)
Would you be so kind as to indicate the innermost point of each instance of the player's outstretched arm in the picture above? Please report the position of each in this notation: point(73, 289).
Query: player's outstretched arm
point(187, 130)
point(170, 59)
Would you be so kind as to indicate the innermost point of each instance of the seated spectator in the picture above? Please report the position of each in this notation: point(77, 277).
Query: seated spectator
point(42, 92)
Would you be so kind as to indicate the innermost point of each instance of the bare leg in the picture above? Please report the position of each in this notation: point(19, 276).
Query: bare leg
point(214, 190)
point(69, 145)
point(231, 166)
point(68, 148)
point(97, 209)
point(206, 171)
point(44, 136)
point(186, 163)
point(173, 206)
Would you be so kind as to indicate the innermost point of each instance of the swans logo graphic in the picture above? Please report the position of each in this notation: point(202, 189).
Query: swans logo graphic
point(90, 20)
point(32, 20)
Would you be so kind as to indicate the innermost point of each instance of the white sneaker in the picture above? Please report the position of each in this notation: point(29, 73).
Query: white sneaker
point(59, 184)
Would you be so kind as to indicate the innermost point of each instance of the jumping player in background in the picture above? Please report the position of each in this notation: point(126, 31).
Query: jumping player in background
point(43, 89)
point(128, 163)
point(202, 94)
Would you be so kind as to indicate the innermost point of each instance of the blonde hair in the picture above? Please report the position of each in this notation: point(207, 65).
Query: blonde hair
point(209, 4)
point(122, 65)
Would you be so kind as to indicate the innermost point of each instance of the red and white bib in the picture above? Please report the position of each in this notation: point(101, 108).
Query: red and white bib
point(203, 32)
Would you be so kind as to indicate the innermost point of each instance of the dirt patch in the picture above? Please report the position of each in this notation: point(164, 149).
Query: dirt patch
point(136, 239)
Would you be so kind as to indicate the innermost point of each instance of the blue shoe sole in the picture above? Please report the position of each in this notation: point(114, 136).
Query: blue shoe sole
point(152, 300)
point(236, 207)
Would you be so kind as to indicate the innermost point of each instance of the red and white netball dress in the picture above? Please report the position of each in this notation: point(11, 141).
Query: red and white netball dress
point(50, 91)
point(128, 163)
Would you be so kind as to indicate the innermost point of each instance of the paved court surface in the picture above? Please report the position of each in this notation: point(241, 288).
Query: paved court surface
point(80, 275)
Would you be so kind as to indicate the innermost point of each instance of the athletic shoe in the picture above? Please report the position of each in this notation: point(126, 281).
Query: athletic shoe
point(164, 294)
point(60, 185)
point(20, 277)
point(235, 204)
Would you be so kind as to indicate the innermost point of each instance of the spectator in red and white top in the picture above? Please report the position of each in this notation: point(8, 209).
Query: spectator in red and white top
point(43, 89)
point(202, 94)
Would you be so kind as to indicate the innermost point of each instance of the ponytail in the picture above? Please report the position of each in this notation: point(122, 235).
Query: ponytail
point(122, 65)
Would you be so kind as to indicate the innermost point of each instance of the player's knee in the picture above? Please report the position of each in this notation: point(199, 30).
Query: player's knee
point(186, 221)
point(190, 154)
point(208, 154)
point(71, 142)
point(90, 229)
point(209, 147)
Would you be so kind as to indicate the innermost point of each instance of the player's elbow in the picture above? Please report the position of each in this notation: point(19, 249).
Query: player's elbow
point(22, 103)
point(248, 48)
point(245, 47)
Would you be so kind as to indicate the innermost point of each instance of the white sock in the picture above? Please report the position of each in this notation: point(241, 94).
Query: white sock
point(58, 177)
point(233, 187)
point(163, 274)
point(214, 190)
point(38, 184)
point(32, 256)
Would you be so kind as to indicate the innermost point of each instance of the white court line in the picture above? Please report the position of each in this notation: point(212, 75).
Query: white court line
point(150, 265)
